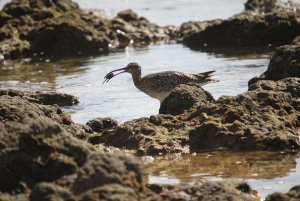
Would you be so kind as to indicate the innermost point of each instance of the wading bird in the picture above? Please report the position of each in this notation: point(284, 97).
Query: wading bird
point(159, 85)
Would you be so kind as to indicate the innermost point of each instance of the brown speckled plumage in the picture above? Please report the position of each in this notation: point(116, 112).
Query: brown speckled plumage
point(159, 85)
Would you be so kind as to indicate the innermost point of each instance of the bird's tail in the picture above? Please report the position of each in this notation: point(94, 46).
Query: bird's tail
point(206, 74)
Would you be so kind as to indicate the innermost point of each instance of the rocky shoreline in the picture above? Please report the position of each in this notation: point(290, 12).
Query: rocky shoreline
point(46, 156)
point(60, 29)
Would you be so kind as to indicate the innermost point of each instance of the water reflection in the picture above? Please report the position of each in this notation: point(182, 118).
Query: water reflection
point(238, 52)
point(263, 170)
point(31, 75)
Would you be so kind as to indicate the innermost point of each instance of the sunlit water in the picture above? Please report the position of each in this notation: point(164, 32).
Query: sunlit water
point(83, 77)
point(266, 172)
point(119, 98)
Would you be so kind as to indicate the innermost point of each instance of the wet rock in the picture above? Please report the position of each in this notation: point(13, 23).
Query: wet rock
point(266, 117)
point(262, 118)
point(228, 190)
point(94, 173)
point(285, 62)
point(55, 98)
point(66, 36)
point(273, 23)
point(139, 30)
point(17, 105)
point(111, 192)
point(128, 15)
point(50, 191)
point(101, 124)
point(293, 194)
point(40, 157)
point(60, 28)
point(45, 98)
point(184, 97)
point(37, 151)
point(266, 6)
point(160, 134)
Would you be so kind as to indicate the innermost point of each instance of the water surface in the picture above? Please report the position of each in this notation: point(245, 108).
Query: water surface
point(265, 171)
point(119, 98)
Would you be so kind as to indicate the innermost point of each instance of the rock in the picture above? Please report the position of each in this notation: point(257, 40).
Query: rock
point(228, 190)
point(262, 118)
point(248, 29)
point(157, 135)
point(284, 63)
point(101, 124)
point(266, 117)
point(17, 106)
point(66, 36)
point(264, 23)
point(128, 15)
point(40, 157)
point(37, 151)
point(266, 6)
point(184, 97)
point(50, 191)
point(60, 28)
point(124, 171)
point(293, 194)
point(45, 98)
point(52, 98)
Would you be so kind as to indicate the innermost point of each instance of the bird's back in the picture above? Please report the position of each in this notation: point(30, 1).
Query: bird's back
point(159, 85)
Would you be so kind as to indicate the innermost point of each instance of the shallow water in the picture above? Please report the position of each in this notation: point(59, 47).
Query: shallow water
point(265, 171)
point(119, 98)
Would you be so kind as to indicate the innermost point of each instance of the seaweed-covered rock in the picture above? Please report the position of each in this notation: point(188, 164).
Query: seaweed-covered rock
point(184, 97)
point(285, 62)
point(275, 23)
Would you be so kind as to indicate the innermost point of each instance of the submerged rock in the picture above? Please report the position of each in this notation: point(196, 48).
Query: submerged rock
point(274, 24)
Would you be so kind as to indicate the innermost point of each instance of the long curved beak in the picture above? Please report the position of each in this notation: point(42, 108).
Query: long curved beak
point(112, 74)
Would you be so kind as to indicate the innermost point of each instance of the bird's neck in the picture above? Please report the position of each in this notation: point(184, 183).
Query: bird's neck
point(136, 76)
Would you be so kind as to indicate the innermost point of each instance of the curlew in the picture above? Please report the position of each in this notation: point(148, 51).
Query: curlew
point(159, 85)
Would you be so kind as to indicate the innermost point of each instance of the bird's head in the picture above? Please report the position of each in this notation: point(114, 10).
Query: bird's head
point(130, 68)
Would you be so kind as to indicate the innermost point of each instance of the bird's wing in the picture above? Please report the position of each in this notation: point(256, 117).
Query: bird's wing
point(167, 80)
